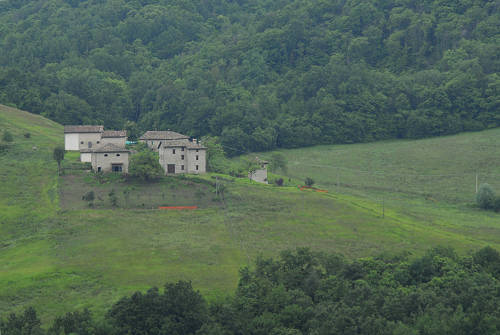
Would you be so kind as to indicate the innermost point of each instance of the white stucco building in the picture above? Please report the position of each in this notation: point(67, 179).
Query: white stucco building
point(80, 137)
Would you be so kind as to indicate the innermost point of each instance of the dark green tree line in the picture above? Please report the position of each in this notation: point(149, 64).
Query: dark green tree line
point(260, 74)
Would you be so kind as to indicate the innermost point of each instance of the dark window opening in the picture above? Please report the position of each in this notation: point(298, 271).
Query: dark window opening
point(116, 167)
point(98, 169)
point(196, 167)
point(196, 157)
point(182, 167)
point(117, 155)
point(196, 150)
point(173, 151)
point(81, 142)
point(182, 149)
point(105, 155)
point(97, 142)
point(182, 156)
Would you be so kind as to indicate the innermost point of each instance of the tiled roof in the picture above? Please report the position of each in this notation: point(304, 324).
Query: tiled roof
point(162, 135)
point(83, 129)
point(110, 148)
point(182, 143)
point(114, 133)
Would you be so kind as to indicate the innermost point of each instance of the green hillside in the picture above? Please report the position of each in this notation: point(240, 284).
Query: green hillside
point(59, 258)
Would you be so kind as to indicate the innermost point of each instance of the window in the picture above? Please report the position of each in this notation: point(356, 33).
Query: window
point(98, 169)
point(182, 156)
point(182, 149)
point(182, 167)
point(105, 155)
point(196, 157)
point(173, 151)
point(116, 167)
point(81, 142)
point(117, 155)
point(196, 150)
point(196, 167)
point(97, 142)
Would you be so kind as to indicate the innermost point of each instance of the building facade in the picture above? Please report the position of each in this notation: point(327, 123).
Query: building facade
point(110, 158)
point(154, 139)
point(183, 156)
point(116, 137)
point(80, 137)
point(259, 174)
point(77, 138)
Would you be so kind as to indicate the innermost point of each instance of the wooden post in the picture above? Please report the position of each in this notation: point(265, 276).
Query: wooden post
point(477, 179)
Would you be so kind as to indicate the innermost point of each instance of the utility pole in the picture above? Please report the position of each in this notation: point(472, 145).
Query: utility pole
point(383, 207)
point(338, 178)
point(216, 188)
point(477, 178)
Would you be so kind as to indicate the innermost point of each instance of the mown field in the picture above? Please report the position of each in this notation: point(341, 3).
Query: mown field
point(58, 254)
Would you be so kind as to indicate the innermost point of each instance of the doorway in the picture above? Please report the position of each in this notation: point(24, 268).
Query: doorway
point(170, 168)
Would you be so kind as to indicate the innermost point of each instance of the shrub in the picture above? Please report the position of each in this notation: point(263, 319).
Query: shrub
point(89, 196)
point(113, 199)
point(27, 135)
point(279, 182)
point(7, 136)
point(145, 165)
point(485, 197)
point(58, 156)
point(309, 181)
point(496, 205)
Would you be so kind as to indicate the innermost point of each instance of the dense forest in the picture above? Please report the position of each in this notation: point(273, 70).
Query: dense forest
point(305, 292)
point(259, 74)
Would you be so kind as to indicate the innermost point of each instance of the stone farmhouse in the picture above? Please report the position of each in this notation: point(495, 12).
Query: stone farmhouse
point(154, 139)
point(183, 156)
point(77, 138)
point(105, 149)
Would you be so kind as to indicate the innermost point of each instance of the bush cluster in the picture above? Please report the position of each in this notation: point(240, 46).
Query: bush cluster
point(487, 199)
point(305, 292)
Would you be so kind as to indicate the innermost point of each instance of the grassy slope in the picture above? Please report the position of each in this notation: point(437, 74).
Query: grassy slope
point(61, 260)
point(430, 181)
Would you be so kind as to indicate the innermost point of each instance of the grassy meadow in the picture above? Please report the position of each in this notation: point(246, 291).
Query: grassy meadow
point(57, 254)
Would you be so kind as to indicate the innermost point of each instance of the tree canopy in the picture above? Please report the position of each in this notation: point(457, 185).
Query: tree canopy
point(306, 292)
point(260, 74)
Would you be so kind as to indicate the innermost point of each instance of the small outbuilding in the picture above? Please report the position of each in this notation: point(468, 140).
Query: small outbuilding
point(110, 158)
point(259, 174)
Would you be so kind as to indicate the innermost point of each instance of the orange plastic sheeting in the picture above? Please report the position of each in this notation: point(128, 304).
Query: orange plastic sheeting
point(313, 188)
point(178, 207)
